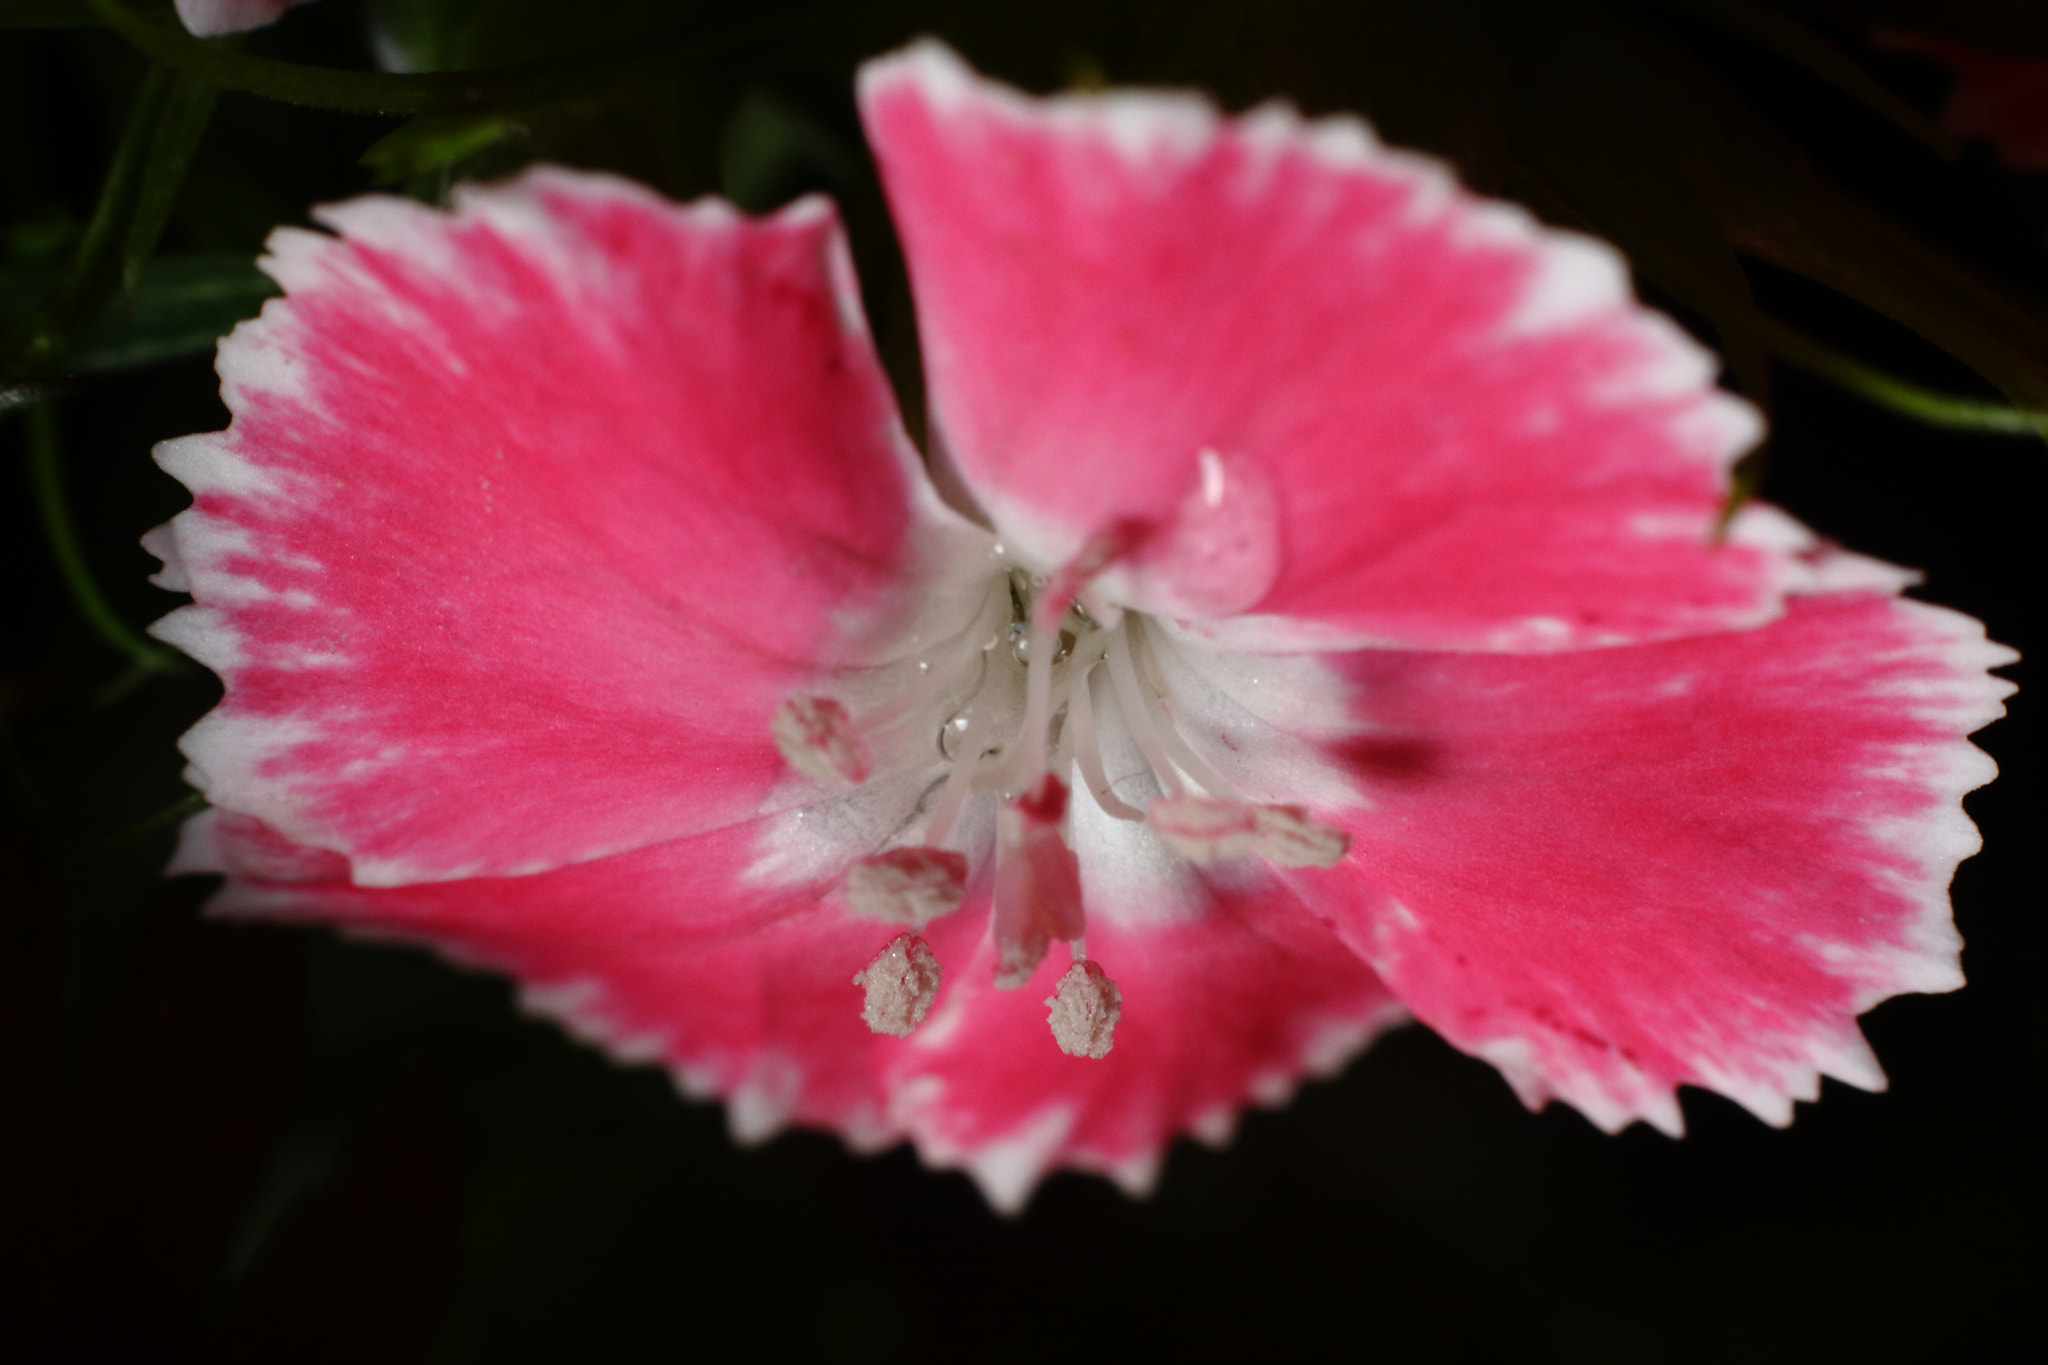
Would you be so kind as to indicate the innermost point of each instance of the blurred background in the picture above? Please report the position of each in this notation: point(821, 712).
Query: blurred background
point(229, 1143)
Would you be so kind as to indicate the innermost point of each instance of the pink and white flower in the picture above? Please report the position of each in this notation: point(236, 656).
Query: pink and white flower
point(214, 18)
point(1340, 634)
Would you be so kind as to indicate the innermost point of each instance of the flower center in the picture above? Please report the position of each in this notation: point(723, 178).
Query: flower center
point(1015, 697)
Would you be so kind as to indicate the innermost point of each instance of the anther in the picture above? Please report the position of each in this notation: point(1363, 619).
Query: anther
point(817, 738)
point(1289, 836)
point(1204, 832)
point(1201, 831)
point(1085, 1008)
point(901, 983)
point(907, 885)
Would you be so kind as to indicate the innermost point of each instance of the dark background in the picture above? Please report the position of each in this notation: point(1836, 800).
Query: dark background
point(229, 1143)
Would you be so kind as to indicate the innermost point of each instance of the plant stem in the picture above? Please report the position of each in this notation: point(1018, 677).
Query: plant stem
point(377, 92)
point(1900, 395)
point(191, 803)
point(186, 110)
point(46, 475)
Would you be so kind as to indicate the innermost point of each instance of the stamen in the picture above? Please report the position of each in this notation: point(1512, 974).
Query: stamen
point(1289, 836)
point(907, 885)
point(1027, 765)
point(960, 782)
point(1152, 693)
point(1138, 716)
point(1038, 882)
point(1088, 751)
point(901, 983)
point(1103, 549)
point(1088, 650)
point(1042, 730)
point(934, 686)
point(1050, 602)
point(817, 738)
point(1201, 831)
point(1085, 1010)
point(1205, 832)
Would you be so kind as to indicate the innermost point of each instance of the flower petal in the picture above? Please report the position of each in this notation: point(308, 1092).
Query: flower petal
point(679, 954)
point(1618, 871)
point(212, 18)
point(1231, 1003)
point(1337, 387)
point(530, 516)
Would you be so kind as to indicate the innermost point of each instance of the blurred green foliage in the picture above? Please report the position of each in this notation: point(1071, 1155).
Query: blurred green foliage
point(1634, 121)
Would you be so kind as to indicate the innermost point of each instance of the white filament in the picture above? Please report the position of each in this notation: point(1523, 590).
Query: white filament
point(1087, 752)
point(1177, 748)
point(944, 682)
point(1027, 764)
point(960, 782)
point(1138, 716)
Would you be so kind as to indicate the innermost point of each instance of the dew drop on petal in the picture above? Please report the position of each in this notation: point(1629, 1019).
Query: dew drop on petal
point(950, 735)
point(1221, 554)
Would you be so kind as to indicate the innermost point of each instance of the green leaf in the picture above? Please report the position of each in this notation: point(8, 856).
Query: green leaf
point(1772, 205)
point(181, 123)
point(37, 340)
point(1593, 134)
point(433, 143)
point(1797, 43)
point(771, 145)
point(457, 35)
point(379, 92)
point(1763, 196)
point(181, 306)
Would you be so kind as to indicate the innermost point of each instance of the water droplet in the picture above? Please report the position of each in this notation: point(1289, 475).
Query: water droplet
point(949, 736)
point(1222, 551)
point(1213, 482)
